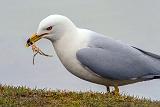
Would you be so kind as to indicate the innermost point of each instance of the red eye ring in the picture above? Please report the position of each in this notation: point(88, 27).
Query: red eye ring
point(49, 28)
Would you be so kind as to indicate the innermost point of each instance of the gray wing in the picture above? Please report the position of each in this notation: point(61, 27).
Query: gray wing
point(114, 60)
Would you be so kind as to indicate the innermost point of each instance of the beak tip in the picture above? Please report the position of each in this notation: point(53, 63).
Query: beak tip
point(27, 45)
point(32, 40)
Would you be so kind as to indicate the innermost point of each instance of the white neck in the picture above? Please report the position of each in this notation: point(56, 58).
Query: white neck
point(68, 45)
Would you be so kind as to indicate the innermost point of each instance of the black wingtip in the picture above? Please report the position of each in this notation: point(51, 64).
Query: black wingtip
point(156, 77)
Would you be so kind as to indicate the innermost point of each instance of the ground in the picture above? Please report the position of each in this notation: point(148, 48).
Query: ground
point(23, 96)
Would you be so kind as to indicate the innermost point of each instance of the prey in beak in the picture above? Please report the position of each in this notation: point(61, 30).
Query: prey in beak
point(31, 42)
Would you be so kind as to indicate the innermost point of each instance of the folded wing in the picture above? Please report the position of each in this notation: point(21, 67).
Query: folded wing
point(113, 60)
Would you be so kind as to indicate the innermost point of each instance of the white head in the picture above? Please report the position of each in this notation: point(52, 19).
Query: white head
point(53, 28)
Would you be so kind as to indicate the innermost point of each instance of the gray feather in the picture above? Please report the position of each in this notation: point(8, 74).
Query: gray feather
point(117, 61)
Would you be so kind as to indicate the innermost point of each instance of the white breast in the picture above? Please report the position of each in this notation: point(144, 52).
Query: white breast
point(66, 49)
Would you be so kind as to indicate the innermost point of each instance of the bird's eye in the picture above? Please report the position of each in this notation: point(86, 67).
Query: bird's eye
point(49, 28)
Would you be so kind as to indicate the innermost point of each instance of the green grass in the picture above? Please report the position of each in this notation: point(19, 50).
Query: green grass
point(23, 96)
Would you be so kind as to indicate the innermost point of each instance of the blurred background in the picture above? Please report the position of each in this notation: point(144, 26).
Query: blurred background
point(136, 22)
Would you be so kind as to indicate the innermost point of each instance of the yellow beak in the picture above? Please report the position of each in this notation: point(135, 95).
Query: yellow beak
point(34, 38)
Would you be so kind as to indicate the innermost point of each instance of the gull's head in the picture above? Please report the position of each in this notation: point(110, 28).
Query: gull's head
point(53, 28)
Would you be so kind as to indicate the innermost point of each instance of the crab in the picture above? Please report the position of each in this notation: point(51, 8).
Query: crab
point(36, 51)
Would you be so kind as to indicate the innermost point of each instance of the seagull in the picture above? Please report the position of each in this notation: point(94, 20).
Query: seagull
point(94, 57)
